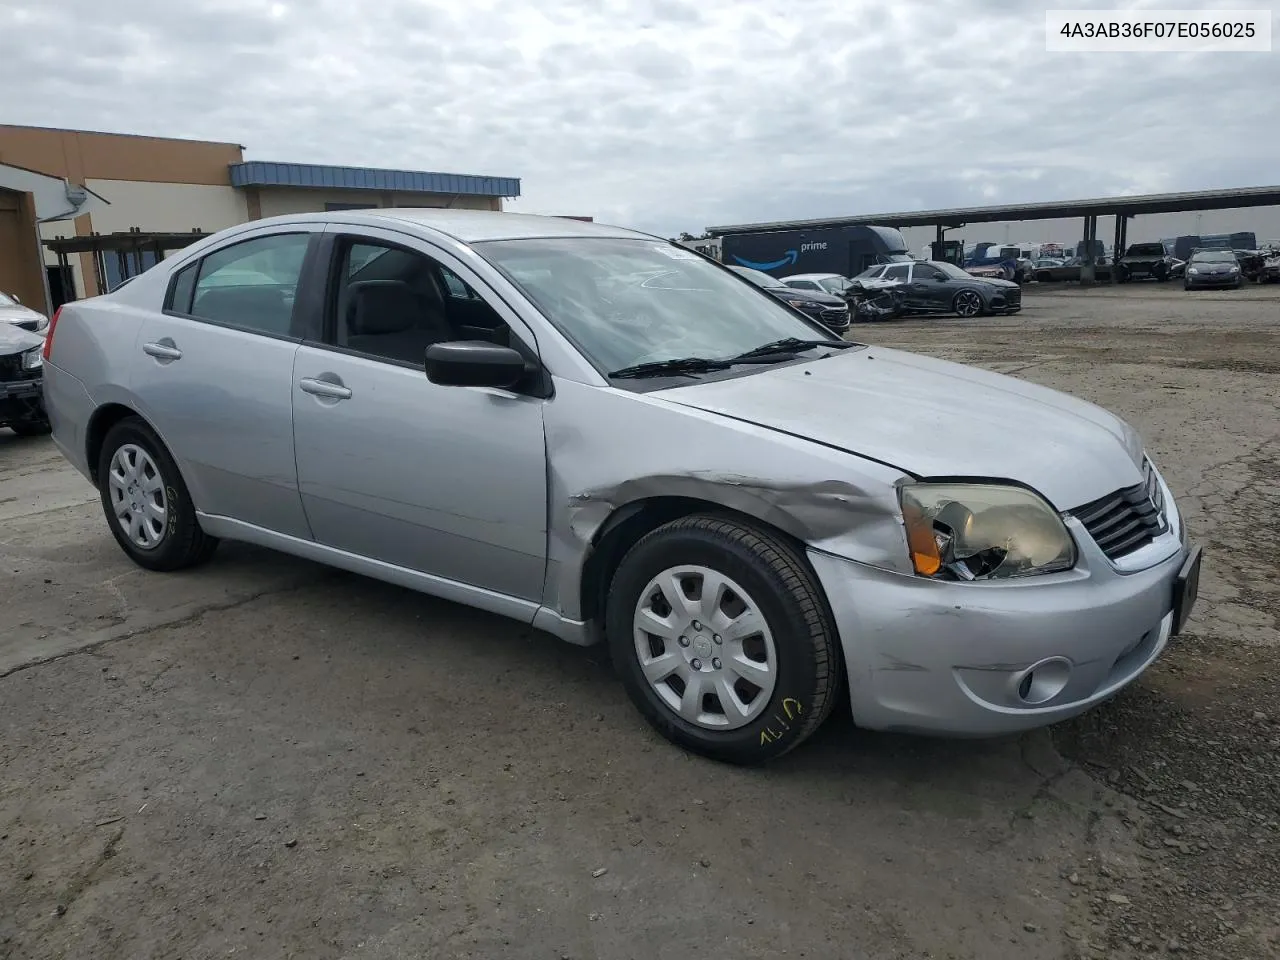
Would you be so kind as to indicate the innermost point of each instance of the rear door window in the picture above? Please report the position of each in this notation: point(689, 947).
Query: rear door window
point(251, 285)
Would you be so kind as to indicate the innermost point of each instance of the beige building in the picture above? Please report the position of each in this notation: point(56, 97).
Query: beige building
point(82, 211)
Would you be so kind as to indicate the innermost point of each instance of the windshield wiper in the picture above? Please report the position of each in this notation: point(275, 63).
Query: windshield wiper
point(789, 345)
point(658, 368)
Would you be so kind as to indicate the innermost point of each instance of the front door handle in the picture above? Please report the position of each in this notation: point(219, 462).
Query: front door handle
point(163, 350)
point(324, 388)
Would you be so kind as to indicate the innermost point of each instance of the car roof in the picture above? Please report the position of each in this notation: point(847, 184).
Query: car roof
point(470, 226)
point(813, 276)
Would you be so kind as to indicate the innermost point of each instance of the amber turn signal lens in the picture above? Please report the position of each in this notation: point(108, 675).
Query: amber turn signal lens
point(920, 540)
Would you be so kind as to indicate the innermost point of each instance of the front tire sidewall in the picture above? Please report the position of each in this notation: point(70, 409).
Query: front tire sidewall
point(181, 527)
point(798, 691)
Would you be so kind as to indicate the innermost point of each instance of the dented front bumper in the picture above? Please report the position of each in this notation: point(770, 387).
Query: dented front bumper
point(983, 659)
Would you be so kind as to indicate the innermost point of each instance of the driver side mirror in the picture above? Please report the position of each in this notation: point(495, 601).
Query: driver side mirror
point(475, 363)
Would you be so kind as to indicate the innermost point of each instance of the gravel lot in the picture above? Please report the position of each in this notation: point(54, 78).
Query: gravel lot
point(269, 759)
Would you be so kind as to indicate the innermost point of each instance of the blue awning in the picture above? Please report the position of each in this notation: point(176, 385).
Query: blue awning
point(262, 173)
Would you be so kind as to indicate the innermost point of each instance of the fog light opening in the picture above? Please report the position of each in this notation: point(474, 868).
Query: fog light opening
point(1044, 681)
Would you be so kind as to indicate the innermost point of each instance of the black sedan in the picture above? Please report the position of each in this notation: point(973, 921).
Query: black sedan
point(934, 286)
point(830, 311)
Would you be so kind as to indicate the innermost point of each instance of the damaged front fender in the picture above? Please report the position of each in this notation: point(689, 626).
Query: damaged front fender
point(608, 450)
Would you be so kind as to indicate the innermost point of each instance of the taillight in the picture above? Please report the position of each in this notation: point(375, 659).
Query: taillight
point(48, 335)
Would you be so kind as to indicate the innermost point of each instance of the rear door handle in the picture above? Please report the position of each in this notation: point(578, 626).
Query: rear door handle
point(324, 388)
point(162, 351)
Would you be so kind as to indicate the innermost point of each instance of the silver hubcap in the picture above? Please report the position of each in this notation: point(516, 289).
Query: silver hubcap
point(137, 496)
point(968, 304)
point(705, 648)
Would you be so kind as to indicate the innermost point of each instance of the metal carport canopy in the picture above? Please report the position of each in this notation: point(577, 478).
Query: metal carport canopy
point(1130, 206)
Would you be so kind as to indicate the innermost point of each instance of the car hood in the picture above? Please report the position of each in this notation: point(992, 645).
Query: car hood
point(933, 418)
point(993, 281)
point(14, 339)
point(16, 313)
point(808, 296)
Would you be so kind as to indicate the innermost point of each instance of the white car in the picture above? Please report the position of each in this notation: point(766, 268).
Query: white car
point(12, 311)
point(831, 283)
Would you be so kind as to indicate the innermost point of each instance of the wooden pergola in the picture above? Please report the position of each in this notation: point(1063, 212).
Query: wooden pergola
point(126, 246)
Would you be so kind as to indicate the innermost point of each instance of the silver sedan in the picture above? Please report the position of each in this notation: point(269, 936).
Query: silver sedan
point(611, 438)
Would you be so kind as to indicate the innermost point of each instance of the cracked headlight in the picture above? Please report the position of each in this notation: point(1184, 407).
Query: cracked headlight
point(978, 531)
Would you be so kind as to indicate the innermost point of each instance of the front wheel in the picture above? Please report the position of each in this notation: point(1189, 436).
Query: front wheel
point(723, 639)
point(147, 505)
point(967, 304)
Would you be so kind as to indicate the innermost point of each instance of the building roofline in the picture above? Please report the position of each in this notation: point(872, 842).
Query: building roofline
point(116, 133)
point(269, 173)
point(1129, 206)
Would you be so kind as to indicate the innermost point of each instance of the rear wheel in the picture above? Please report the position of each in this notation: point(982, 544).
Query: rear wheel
point(967, 304)
point(146, 503)
point(723, 639)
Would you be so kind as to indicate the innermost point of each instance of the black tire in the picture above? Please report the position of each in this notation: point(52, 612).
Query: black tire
point(1122, 275)
point(956, 304)
point(183, 544)
point(1160, 272)
point(1044, 277)
point(30, 428)
point(778, 580)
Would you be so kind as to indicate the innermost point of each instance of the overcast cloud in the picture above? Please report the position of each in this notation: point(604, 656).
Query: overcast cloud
point(662, 114)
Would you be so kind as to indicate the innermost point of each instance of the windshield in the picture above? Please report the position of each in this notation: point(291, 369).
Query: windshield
point(951, 270)
point(758, 277)
point(1146, 250)
point(836, 285)
point(1213, 256)
point(623, 302)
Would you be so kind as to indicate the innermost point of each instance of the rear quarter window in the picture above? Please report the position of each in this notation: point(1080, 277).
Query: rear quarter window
point(181, 287)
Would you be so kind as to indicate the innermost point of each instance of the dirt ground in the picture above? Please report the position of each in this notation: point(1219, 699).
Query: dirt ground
point(266, 758)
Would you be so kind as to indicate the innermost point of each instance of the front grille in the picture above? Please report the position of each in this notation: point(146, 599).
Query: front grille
point(1128, 519)
point(1013, 298)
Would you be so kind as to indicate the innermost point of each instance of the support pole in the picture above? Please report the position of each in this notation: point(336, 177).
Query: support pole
point(1117, 247)
point(1087, 271)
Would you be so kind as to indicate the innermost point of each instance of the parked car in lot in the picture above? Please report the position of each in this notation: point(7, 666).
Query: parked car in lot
point(934, 286)
point(1270, 268)
point(13, 312)
point(1212, 268)
point(831, 283)
point(21, 363)
point(828, 309)
point(1070, 270)
point(1145, 260)
point(611, 438)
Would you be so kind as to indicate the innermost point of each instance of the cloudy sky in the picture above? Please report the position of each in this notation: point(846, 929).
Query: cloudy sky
point(668, 115)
